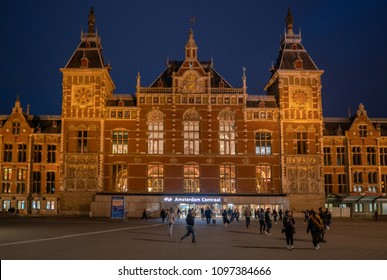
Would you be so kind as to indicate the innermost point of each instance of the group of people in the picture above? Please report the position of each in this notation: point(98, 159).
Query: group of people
point(318, 222)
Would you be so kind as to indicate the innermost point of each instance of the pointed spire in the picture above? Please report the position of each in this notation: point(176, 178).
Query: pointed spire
point(191, 47)
point(289, 23)
point(91, 21)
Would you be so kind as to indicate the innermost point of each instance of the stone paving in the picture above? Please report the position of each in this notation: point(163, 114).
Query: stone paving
point(83, 238)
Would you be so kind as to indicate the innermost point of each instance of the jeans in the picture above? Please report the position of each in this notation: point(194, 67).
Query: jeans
point(190, 230)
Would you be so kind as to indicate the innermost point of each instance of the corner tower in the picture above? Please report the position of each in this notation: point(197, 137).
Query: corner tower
point(296, 84)
point(86, 86)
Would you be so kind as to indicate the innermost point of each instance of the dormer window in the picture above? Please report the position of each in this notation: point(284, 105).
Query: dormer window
point(16, 128)
point(160, 83)
point(121, 103)
point(261, 104)
point(363, 130)
point(221, 84)
point(84, 61)
point(294, 46)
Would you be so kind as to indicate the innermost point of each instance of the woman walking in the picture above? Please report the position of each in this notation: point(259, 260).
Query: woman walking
point(288, 228)
point(315, 226)
point(171, 221)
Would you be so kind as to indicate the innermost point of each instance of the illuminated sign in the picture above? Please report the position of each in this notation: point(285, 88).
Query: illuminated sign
point(118, 207)
point(193, 199)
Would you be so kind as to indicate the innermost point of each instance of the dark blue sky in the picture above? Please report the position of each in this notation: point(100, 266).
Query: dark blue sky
point(346, 39)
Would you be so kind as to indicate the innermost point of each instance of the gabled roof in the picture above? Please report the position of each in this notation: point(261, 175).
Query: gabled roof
point(173, 66)
point(88, 49)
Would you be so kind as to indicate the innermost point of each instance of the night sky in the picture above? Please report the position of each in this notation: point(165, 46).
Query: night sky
point(346, 39)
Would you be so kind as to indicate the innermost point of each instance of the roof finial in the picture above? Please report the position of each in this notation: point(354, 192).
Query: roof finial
point(91, 21)
point(289, 22)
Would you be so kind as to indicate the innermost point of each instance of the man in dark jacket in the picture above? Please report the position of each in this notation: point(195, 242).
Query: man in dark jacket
point(190, 220)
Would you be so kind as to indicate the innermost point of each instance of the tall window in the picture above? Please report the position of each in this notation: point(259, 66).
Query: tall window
point(22, 153)
point(227, 133)
point(7, 153)
point(7, 178)
point(327, 156)
point(50, 183)
point(328, 183)
point(371, 155)
point(363, 130)
point(372, 177)
point(301, 143)
point(50, 205)
point(36, 182)
point(340, 152)
point(191, 137)
point(82, 141)
point(227, 178)
point(358, 177)
point(342, 183)
point(263, 178)
point(51, 153)
point(16, 128)
point(383, 156)
point(356, 155)
point(37, 153)
point(191, 133)
point(263, 143)
point(120, 178)
point(191, 178)
point(120, 142)
point(155, 178)
point(21, 180)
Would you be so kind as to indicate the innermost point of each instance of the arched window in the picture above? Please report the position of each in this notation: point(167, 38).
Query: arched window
point(191, 178)
point(120, 177)
point(155, 178)
point(227, 178)
point(155, 132)
point(264, 180)
point(191, 133)
point(227, 132)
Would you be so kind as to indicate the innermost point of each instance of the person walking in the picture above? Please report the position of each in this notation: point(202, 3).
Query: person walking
point(171, 221)
point(315, 226)
point(226, 221)
point(247, 215)
point(144, 215)
point(268, 221)
point(163, 215)
point(190, 221)
point(289, 229)
point(261, 218)
point(208, 213)
point(280, 214)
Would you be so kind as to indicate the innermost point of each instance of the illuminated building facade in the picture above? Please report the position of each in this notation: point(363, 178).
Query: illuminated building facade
point(190, 139)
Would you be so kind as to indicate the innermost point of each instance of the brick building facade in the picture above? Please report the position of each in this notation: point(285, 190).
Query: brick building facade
point(191, 139)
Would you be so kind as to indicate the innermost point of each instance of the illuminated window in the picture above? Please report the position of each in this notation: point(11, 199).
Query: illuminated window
point(50, 205)
point(21, 204)
point(7, 177)
point(120, 142)
point(191, 178)
point(50, 182)
point(383, 183)
point(155, 132)
point(21, 176)
point(227, 132)
point(120, 178)
point(263, 143)
point(359, 207)
point(263, 178)
point(6, 204)
point(35, 204)
point(227, 178)
point(191, 133)
point(155, 178)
